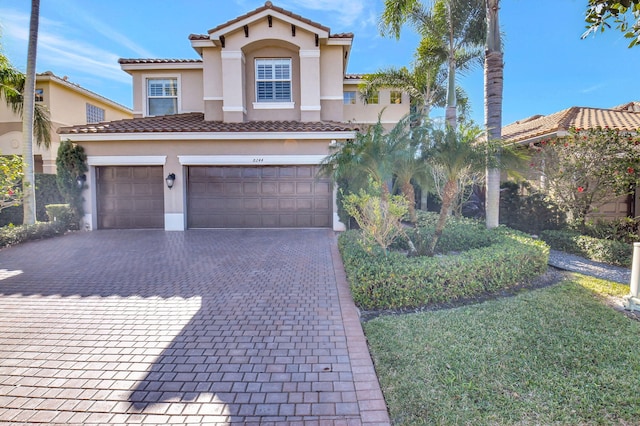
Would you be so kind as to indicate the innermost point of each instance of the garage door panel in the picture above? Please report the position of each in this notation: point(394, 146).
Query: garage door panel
point(323, 188)
point(305, 172)
point(252, 204)
point(257, 196)
point(269, 188)
point(130, 197)
point(322, 203)
point(251, 188)
point(304, 188)
point(269, 204)
point(286, 188)
point(304, 204)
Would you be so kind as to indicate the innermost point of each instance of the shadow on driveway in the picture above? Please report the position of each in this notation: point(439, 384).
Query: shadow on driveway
point(228, 325)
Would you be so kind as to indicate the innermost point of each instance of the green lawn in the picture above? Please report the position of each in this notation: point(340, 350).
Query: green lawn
point(557, 355)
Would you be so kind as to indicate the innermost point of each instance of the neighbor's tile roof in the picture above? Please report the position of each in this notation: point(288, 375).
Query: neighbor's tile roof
point(269, 5)
point(195, 122)
point(159, 61)
point(578, 117)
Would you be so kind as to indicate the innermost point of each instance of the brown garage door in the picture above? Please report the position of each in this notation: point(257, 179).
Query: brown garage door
point(130, 197)
point(258, 197)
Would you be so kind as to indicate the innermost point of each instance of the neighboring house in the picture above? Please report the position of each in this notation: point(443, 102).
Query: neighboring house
point(625, 117)
point(68, 104)
point(238, 134)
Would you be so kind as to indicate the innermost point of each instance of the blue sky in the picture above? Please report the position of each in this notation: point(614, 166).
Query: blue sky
point(547, 66)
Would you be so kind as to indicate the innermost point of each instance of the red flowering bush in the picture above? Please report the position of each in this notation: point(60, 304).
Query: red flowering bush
point(10, 180)
point(588, 168)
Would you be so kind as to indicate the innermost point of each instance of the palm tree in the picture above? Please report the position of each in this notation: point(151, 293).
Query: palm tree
point(455, 156)
point(368, 156)
point(454, 29)
point(28, 181)
point(425, 84)
point(12, 84)
point(493, 84)
point(451, 153)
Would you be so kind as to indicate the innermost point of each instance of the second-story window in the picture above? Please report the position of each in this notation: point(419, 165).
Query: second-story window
point(94, 114)
point(373, 98)
point(349, 98)
point(39, 95)
point(162, 96)
point(273, 80)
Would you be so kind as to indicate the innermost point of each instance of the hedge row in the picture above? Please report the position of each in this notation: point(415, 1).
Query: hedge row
point(396, 281)
point(10, 235)
point(607, 251)
point(47, 192)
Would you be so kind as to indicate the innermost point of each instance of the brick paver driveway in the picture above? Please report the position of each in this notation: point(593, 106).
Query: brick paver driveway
point(196, 327)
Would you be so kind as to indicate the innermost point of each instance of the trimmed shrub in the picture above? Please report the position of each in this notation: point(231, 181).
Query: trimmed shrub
point(625, 229)
point(460, 234)
point(60, 213)
point(600, 250)
point(395, 281)
point(10, 235)
point(527, 210)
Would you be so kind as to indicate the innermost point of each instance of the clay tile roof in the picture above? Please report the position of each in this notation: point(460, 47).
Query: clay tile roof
point(341, 35)
point(198, 37)
point(353, 76)
point(269, 5)
point(578, 117)
point(158, 61)
point(629, 106)
point(195, 122)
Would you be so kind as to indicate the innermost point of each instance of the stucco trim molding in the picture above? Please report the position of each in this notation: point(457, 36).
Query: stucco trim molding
point(274, 105)
point(309, 53)
point(232, 54)
point(198, 136)
point(249, 160)
point(126, 160)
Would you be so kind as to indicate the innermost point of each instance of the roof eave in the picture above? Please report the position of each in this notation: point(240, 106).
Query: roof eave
point(160, 136)
point(215, 33)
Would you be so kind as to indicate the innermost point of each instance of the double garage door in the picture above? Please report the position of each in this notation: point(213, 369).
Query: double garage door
point(258, 197)
point(217, 197)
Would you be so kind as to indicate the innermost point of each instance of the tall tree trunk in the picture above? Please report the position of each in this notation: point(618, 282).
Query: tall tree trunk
point(448, 195)
point(410, 193)
point(28, 181)
point(493, 84)
point(451, 112)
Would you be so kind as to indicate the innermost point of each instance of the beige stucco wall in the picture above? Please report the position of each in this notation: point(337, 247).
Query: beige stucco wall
point(190, 88)
point(368, 113)
point(167, 153)
point(67, 106)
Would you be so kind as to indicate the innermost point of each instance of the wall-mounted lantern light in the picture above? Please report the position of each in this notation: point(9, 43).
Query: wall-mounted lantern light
point(80, 180)
point(171, 179)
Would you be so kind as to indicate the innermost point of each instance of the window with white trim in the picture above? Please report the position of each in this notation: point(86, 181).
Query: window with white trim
point(94, 114)
point(162, 96)
point(273, 80)
point(349, 98)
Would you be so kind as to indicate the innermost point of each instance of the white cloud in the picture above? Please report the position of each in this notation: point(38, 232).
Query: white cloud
point(57, 51)
point(113, 35)
point(346, 12)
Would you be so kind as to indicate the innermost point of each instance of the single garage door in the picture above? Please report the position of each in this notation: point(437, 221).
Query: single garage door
point(258, 197)
point(130, 197)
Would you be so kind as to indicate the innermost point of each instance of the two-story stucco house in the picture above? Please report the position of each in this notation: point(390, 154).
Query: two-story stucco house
point(68, 104)
point(233, 138)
